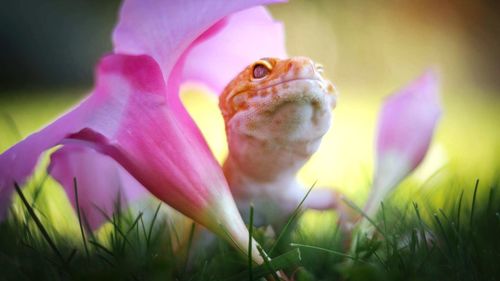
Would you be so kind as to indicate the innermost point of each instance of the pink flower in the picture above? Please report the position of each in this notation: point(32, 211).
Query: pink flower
point(135, 120)
point(406, 126)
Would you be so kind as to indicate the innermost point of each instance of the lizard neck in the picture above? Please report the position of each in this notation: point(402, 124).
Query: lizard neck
point(263, 173)
point(254, 164)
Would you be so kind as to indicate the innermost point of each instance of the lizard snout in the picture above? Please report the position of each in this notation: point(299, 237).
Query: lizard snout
point(302, 67)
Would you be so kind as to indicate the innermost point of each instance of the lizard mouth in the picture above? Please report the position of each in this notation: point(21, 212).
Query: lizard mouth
point(305, 91)
point(276, 84)
point(313, 80)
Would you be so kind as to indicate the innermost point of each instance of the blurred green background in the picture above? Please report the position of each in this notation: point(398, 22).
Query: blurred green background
point(369, 50)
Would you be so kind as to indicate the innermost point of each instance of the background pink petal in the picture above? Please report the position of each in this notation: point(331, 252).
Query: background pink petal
point(408, 119)
point(246, 37)
point(406, 126)
point(102, 183)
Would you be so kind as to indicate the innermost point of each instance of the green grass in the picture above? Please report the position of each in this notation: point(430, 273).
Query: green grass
point(456, 241)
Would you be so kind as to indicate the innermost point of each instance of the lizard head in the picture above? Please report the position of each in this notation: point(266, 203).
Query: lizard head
point(279, 99)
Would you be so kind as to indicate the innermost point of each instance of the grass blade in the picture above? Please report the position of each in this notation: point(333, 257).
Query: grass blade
point(422, 229)
point(268, 264)
point(71, 256)
point(188, 250)
point(287, 260)
point(324, 250)
point(443, 231)
point(365, 215)
point(40, 227)
point(82, 232)
point(473, 204)
point(459, 209)
point(150, 231)
point(103, 248)
point(290, 220)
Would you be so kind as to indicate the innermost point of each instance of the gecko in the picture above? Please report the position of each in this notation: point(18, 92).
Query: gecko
point(276, 112)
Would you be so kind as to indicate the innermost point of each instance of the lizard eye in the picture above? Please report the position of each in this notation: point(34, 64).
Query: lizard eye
point(261, 69)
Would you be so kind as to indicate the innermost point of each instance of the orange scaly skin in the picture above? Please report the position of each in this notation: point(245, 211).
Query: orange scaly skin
point(276, 113)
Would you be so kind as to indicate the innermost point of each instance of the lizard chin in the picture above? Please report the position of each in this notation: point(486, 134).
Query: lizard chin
point(296, 121)
point(300, 111)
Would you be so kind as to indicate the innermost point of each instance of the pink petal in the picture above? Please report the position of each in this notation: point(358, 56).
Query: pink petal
point(246, 37)
point(102, 113)
point(102, 183)
point(165, 29)
point(408, 119)
point(19, 161)
point(149, 141)
point(406, 126)
point(169, 30)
